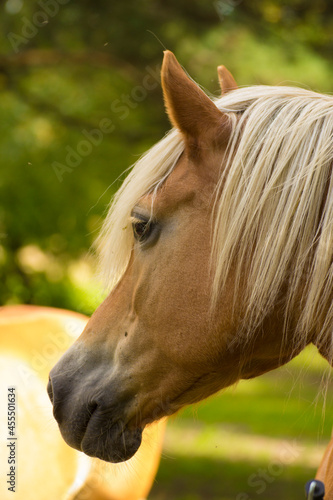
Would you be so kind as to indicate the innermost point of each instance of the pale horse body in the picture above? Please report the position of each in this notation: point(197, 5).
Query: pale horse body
point(32, 339)
point(218, 250)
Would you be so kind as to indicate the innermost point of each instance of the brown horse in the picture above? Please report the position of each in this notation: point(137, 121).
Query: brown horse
point(218, 249)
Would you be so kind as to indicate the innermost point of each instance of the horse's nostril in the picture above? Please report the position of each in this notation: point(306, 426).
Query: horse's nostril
point(50, 390)
point(92, 407)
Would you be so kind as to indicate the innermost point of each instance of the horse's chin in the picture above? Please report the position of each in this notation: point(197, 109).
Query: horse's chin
point(114, 446)
point(111, 443)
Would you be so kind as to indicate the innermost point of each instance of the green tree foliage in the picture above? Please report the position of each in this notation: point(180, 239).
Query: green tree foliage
point(81, 101)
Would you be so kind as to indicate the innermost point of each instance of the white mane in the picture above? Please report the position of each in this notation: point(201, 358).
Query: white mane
point(274, 208)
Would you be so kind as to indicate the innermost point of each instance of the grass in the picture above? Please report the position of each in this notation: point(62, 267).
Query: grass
point(262, 439)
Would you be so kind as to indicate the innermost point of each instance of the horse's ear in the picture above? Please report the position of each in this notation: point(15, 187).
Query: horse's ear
point(227, 81)
point(189, 108)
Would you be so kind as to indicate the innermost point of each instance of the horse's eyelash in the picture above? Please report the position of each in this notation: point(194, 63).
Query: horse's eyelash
point(137, 218)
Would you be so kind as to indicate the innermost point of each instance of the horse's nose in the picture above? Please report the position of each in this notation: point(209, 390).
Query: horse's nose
point(58, 396)
point(50, 390)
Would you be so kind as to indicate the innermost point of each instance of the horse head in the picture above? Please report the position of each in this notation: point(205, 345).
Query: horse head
point(157, 343)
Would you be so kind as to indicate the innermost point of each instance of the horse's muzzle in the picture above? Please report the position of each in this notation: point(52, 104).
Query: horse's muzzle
point(88, 420)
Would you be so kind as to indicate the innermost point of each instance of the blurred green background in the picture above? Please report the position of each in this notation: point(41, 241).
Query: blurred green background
point(69, 68)
point(80, 102)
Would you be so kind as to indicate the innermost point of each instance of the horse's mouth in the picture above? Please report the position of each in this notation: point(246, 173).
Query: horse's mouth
point(92, 430)
point(98, 437)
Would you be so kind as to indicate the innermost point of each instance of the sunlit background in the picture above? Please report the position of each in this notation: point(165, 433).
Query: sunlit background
point(80, 102)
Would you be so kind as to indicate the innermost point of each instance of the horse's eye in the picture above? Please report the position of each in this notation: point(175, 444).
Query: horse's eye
point(142, 229)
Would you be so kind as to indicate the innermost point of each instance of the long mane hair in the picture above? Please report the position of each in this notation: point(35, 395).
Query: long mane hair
point(273, 211)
